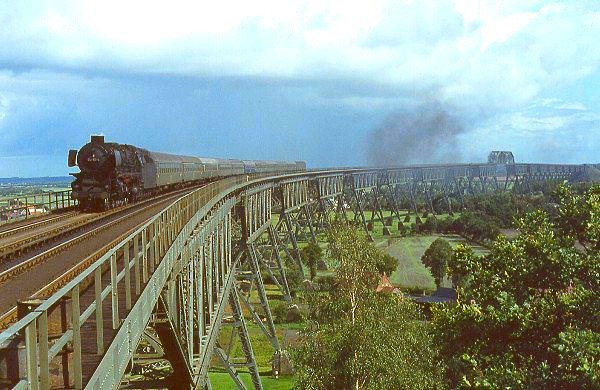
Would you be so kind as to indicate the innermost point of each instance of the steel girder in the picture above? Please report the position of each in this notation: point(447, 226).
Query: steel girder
point(187, 260)
point(296, 216)
point(329, 190)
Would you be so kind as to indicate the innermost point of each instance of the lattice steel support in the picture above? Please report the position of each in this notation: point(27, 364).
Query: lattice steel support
point(231, 363)
point(268, 253)
point(358, 210)
point(256, 223)
point(376, 209)
point(254, 276)
point(389, 192)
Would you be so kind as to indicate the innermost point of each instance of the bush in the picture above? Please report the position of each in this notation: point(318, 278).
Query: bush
point(326, 283)
point(430, 225)
point(401, 227)
point(389, 221)
point(294, 278)
point(293, 314)
point(279, 311)
point(445, 225)
point(266, 277)
point(476, 226)
point(407, 219)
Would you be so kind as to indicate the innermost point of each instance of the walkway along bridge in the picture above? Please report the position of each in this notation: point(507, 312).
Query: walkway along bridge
point(190, 271)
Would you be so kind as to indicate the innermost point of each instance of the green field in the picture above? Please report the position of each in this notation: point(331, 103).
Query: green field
point(222, 381)
point(411, 273)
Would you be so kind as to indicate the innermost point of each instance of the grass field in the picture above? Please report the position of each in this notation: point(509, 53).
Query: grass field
point(263, 352)
point(411, 273)
point(222, 381)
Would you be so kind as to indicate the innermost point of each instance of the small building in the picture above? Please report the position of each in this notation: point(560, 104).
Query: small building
point(442, 295)
point(385, 286)
point(34, 210)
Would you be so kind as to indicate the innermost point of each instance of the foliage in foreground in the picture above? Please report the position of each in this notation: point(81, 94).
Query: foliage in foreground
point(356, 338)
point(528, 313)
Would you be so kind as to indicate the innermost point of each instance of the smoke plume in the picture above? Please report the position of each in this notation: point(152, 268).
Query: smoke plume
point(426, 134)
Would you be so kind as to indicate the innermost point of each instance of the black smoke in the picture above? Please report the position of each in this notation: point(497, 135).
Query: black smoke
point(425, 134)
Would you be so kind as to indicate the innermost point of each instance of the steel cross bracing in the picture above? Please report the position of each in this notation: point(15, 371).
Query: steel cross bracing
point(295, 215)
point(191, 269)
point(329, 192)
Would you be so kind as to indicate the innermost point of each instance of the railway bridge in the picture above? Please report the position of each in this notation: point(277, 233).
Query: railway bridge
point(199, 266)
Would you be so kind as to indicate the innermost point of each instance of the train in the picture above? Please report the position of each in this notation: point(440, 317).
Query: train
point(113, 174)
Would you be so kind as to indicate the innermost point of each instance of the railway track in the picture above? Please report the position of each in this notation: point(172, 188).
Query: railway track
point(19, 240)
point(46, 275)
point(10, 228)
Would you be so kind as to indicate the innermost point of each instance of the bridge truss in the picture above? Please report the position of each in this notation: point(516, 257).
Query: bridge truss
point(192, 272)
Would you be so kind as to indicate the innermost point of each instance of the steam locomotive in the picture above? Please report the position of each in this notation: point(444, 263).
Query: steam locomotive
point(113, 174)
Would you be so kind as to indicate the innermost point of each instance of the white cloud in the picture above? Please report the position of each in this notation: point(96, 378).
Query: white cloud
point(548, 130)
point(496, 54)
point(486, 59)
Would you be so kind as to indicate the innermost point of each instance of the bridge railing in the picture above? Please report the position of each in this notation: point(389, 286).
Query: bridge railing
point(27, 206)
point(130, 264)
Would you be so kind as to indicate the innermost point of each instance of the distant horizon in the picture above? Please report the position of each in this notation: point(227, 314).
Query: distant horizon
point(69, 177)
point(35, 177)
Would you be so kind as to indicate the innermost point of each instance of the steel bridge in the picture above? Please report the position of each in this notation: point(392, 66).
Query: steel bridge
point(190, 272)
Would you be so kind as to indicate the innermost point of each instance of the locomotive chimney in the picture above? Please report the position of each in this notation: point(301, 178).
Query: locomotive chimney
point(97, 139)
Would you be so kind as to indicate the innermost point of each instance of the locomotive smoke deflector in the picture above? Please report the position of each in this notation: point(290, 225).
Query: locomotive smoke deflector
point(72, 158)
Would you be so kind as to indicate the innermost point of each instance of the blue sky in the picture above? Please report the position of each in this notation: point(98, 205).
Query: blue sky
point(309, 80)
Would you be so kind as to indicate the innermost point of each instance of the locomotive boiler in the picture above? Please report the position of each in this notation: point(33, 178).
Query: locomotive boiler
point(113, 174)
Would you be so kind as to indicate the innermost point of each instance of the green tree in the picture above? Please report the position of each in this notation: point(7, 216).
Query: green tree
point(436, 258)
point(431, 225)
point(477, 225)
point(387, 264)
point(294, 277)
point(356, 338)
point(311, 254)
point(528, 313)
